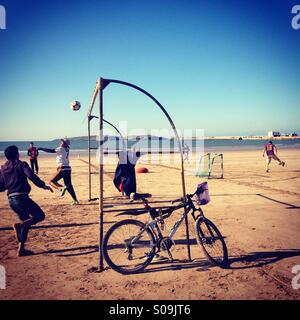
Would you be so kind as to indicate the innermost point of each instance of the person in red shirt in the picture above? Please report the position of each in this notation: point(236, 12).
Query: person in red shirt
point(271, 151)
point(33, 153)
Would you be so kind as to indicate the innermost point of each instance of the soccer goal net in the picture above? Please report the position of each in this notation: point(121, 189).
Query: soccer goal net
point(211, 166)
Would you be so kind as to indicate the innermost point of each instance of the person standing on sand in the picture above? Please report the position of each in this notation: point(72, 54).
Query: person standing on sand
point(186, 151)
point(33, 153)
point(63, 169)
point(14, 175)
point(271, 151)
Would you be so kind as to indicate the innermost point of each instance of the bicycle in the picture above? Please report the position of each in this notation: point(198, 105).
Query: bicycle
point(130, 245)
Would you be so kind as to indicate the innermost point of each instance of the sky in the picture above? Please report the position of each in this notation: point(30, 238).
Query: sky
point(227, 67)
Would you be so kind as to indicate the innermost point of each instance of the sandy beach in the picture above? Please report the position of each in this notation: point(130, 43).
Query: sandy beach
point(257, 212)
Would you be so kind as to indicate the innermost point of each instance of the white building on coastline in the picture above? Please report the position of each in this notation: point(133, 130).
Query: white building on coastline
point(272, 134)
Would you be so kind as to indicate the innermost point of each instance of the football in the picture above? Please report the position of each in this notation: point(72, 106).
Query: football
point(75, 105)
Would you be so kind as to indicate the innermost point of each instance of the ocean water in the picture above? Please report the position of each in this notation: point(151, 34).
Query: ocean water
point(164, 145)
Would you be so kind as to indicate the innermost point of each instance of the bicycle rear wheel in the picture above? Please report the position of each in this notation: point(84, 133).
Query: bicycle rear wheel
point(128, 246)
point(212, 242)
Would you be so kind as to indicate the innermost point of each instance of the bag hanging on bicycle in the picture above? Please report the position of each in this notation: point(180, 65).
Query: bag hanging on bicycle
point(202, 194)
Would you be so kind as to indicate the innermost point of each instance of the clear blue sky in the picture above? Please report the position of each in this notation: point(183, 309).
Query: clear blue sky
point(228, 67)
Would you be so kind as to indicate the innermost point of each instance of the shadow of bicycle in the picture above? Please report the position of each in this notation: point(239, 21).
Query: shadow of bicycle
point(245, 261)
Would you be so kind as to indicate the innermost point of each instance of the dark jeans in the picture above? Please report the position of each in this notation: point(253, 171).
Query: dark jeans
point(66, 176)
point(26, 208)
point(34, 165)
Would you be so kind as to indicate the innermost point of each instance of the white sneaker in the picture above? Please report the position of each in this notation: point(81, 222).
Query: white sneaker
point(63, 191)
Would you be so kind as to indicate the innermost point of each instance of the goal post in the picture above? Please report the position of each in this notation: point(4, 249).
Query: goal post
point(211, 166)
point(98, 92)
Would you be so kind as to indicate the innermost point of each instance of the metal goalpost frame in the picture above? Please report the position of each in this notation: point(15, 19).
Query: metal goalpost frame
point(214, 157)
point(90, 118)
point(98, 91)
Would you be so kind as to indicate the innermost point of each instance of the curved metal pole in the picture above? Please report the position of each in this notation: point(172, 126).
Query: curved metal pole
point(90, 117)
point(122, 137)
point(109, 123)
point(106, 82)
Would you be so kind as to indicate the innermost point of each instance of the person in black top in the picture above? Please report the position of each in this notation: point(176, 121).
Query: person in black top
point(125, 179)
point(14, 175)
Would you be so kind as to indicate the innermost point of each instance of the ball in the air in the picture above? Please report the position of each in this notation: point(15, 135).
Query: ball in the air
point(75, 105)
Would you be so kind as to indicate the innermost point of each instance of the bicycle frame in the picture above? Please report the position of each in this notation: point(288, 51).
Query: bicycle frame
point(153, 224)
point(188, 206)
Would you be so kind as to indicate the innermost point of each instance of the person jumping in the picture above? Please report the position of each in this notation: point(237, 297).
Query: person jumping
point(63, 169)
point(14, 175)
point(271, 151)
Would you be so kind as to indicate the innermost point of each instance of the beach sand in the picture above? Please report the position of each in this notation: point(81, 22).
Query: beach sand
point(258, 214)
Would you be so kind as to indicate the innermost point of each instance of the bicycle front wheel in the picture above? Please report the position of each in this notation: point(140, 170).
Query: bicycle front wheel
point(128, 246)
point(212, 242)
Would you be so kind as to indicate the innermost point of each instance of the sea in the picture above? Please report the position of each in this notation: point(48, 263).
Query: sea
point(165, 145)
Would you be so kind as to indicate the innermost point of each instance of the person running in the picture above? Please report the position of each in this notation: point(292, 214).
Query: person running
point(271, 151)
point(33, 154)
point(63, 169)
point(14, 175)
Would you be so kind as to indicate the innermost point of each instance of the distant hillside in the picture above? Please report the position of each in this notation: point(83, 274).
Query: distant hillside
point(132, 138)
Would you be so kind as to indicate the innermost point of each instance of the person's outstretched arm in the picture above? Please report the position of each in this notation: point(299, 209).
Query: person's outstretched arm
point(46, 150)
point(264, 151)
point(34, 178)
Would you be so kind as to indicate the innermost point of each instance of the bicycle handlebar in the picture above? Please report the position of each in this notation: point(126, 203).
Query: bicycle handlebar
point(188, 196)
point(177, 200)
point(182, 200)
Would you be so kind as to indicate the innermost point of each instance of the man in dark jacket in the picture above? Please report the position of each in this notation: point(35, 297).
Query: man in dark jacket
point(124, 179)
point(14, 175)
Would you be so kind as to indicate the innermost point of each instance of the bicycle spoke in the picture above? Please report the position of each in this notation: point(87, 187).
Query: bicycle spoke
point(128, 246)
point(211, 240)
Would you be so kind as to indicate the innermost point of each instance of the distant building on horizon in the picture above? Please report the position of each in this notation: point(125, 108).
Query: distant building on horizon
point(273, 134)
